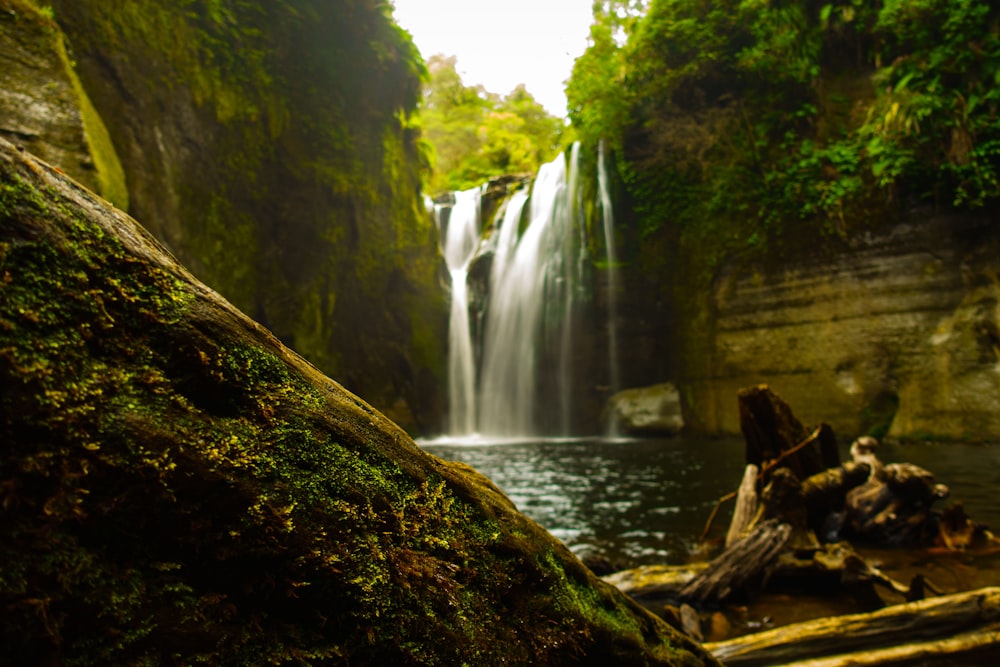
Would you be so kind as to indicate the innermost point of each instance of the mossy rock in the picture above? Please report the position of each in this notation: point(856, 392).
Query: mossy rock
point(177, 487)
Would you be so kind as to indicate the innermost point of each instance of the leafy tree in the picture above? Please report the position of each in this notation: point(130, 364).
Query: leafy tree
point(477, 135)
point(765, 118)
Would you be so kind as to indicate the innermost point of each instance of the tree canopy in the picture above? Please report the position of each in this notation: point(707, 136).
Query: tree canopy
point(477, 135)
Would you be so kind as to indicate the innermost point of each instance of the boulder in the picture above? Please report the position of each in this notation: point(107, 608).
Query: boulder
point(654, 410)
point(178, 487)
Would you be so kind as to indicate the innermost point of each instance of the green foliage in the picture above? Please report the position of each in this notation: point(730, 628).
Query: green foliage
point(763, 119)
point(937, 123)
point(477, 135)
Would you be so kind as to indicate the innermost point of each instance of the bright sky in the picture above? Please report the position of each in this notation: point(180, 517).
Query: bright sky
point(503, 44)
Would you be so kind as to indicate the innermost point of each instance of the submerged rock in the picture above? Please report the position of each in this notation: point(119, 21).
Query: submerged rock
point(654, 410)
point(177, 487)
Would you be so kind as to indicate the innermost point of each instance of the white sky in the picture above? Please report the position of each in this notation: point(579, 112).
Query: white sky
point(503, 44)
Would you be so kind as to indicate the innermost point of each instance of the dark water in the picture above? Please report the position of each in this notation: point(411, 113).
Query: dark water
point(647, 501)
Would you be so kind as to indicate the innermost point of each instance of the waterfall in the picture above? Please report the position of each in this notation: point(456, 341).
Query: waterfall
point(461, 238)
point(535, 280)
point(529, 297)
point(607, 216)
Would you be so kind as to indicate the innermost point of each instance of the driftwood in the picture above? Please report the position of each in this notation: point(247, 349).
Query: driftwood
point(655, 582)
point(896, 634)
point(770, 428)
point(746, 506)
point(744, 564)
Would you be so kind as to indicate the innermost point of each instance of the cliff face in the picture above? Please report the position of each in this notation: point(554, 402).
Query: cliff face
point(43, 107)
point(898, 333)
point(269, 147)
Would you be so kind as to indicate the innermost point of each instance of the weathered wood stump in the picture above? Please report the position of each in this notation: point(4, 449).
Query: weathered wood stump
point(770, 430)
point(743, 566)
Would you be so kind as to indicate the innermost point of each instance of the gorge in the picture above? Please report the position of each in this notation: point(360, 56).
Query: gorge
point(226, 310)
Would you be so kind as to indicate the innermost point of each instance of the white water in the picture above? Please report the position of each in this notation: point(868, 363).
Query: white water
point(460, 242)
point(607, 215)
point(536, 277)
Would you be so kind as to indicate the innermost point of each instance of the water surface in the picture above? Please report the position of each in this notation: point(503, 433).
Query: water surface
point(647, 501)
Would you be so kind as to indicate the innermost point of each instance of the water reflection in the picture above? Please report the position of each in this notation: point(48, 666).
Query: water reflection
point(638, 501)
point(646, 501)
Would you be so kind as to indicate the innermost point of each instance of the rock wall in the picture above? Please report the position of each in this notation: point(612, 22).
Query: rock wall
point(43, 107)
point(899, 333)
point(269, 146)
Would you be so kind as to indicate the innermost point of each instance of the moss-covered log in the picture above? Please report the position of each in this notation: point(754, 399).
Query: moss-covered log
point(177, 487)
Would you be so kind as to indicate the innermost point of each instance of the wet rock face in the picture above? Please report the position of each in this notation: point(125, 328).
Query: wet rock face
point(896, 335)
point(39, 108)
point(281, 176)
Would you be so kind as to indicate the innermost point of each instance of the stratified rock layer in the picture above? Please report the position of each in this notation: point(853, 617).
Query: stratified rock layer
point(177, 487)
point(898, 334)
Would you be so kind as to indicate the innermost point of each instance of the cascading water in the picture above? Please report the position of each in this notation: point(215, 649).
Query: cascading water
point(531, 291)
point(607, 216)
point(535, 282)
point(461, 238)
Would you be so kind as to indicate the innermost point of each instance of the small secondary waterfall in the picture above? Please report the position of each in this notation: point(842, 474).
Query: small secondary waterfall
point(607, 216)
point(461, 238)
point(535, 290)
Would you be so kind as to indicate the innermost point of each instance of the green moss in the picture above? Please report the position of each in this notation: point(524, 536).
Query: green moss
point(110, 174)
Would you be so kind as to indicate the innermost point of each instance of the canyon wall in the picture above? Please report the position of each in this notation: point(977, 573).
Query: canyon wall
point(897, 333)
point(270, 148)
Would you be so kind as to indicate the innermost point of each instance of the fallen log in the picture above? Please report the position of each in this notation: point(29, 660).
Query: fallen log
point(981, 647)
point(179, 487)
point(924, 626)
point(655, 582)
point(740, 567)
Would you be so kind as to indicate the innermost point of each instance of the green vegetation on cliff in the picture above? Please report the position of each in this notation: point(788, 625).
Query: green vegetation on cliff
point(760, 119)
point(177, 487)
point(273, 148)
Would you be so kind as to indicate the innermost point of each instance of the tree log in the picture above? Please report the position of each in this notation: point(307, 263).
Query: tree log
point(739, 567)
point(928, 624)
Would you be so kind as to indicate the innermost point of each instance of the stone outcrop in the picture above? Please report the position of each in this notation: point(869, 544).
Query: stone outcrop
point(898, 334)
point(178, 487)
point(654, 410)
